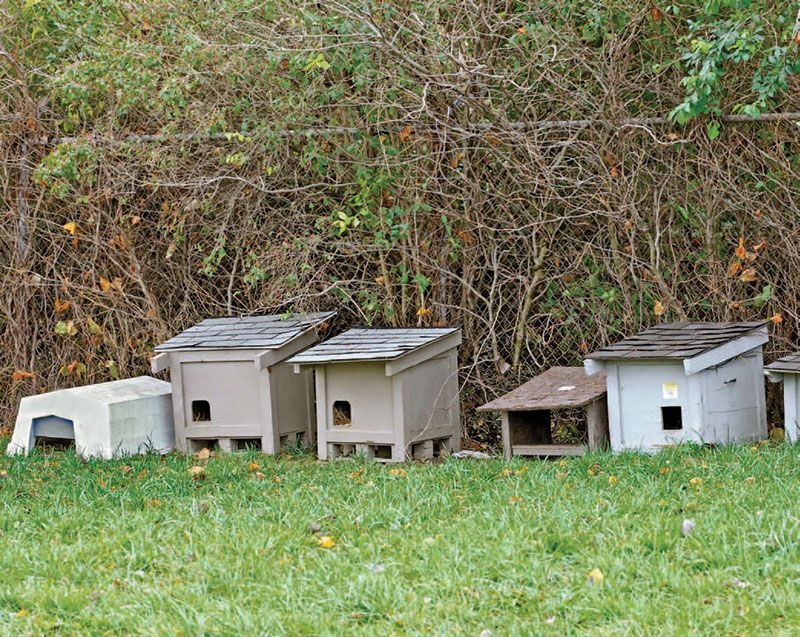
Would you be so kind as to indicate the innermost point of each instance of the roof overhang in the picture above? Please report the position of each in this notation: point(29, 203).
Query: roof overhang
point(733, 348)
point(400, 363)
point(711, 358)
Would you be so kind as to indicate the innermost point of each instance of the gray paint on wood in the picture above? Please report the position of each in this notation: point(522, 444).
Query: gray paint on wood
point(718, 405)
point(403, 408)
point(260, 332)
point(362, 344)
point(680, 341)
point(786, 369)
point(251, 392)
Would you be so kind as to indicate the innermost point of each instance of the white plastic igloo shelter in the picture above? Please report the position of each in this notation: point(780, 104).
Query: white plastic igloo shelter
point(118, 418)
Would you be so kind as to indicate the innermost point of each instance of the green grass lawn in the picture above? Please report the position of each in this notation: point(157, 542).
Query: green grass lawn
point(141, 546)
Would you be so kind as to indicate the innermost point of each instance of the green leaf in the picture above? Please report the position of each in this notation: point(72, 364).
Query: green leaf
point(713, 130)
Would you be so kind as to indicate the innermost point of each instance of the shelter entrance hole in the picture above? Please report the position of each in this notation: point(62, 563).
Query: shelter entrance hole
point(672, 418)
point(201, 411)
point(342, 413)
point(53, 432)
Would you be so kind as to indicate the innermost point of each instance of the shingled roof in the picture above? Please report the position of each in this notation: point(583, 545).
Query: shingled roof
point(246, 332)
point(371, 344)
point(675, 340)
point(557, 388)
point(790, 363)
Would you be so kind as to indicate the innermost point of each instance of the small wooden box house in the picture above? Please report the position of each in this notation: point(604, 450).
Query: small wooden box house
point(230, 384)
point(681, 382)
point(787, 369)
point(526, 412)
point(387, 393)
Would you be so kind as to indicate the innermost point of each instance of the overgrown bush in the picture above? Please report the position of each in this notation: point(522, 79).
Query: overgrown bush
point(404, 162)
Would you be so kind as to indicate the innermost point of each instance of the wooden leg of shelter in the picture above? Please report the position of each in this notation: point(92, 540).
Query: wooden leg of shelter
point(506, 435)
point(597, 424)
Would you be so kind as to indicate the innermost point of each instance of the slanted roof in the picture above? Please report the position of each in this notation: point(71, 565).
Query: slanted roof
point(371, 344)
point(676, 341)
point(789, 364)
point(557, 388)
point(246, 332)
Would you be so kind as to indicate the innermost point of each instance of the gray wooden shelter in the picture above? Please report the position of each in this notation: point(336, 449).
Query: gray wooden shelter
point(230, 384)
point(787, 369)
point(680, 382)
point(526, 412)
point(387, 393)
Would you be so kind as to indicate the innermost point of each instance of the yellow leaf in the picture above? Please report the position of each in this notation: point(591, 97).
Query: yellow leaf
point(71, 227)
point(405, 133)
point(514, 499)
point(252, 466)
point(19, 375)
point(105, 284)
point(423, 311)
point(595, 576)
point(658, 308)
point(22, 612)
point(402, 473)
point(612, 480)
point(777, 319)
point(326, 542)
point(733, 268)
point(696, 482)
point(62, 306)
point(741, 251)
point(748, 276)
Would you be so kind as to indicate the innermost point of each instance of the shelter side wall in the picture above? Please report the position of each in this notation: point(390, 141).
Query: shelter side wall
point(231, 388)
point(430, 397)
point(290, 394)
point(790, 404)
point(368, 391)
point(645, 389)
point(142, 425)
point(734, 400)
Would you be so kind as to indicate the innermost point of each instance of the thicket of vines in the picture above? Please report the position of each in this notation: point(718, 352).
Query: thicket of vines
point(157, 168)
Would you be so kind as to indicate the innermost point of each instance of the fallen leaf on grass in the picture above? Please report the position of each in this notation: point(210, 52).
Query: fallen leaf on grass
point(314, 527)
point(696, 482)
point(401, 473)
point(253, 466)
point(203, 454)
point(22, 612)
point(258, 475)
point(612, 480)
point(326, 542)
point(595, 576)
point(514, 499)
point(197, 472)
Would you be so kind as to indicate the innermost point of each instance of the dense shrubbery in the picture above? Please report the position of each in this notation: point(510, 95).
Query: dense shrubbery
point(434, 196)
